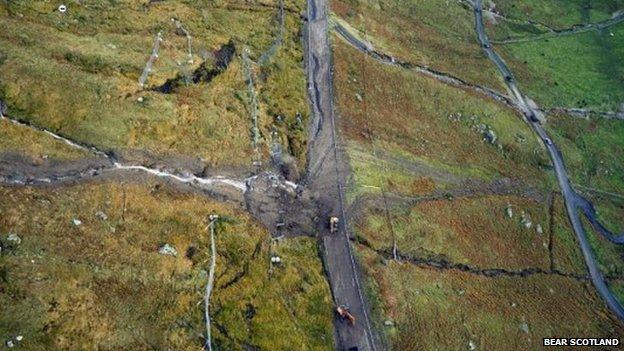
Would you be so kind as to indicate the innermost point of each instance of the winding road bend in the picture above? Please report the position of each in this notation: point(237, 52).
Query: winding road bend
point(327, 173)
point(573, 201)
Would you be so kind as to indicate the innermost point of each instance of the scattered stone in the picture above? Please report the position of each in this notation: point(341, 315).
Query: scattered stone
point(455, 117)
point(524, 327)
point(19, 338)
point(472, 345)
point(513, 304)
point(14, 238)
point(3, 108)
point(551, 290)
point(276, 259)
point(388, 323)
point(168, 250)
point(140, 99)
point(509, 211)
point(358, 97)
point(490, 136)
point(526, 220)
point(101, 215)
point(10, 344)
point(77, 222)
point(538, 229)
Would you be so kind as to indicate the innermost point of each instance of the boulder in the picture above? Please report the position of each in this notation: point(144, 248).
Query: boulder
point(509, 211)
point(14, 238)
point(168, 250)
point(101, 215)
point(490, 136)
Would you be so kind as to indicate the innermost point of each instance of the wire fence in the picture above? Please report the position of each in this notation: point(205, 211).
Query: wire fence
point(150, 62)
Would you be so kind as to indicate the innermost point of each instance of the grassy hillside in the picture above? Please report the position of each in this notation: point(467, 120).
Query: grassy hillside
point(77, 74)
point(431, 309)
point(435, 33)
point(18, 139)
point(421, 127)
point(428, 176)
point(474, 231)
point(102, 283)
point(593, 150)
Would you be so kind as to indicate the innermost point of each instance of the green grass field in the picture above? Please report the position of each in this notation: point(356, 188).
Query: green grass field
point(103, 284)
point(593, 150)
point(558, 14)
point(583, 70)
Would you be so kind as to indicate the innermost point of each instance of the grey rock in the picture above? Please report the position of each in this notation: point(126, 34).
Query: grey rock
point(3, 108)
point(472, 345)
point(77, 222)
point(101, 215)
point(526, 220)
point(524, 327)
point(358, 97)
point(490, 136)
point(168, 250)
point(388, 323)
point(14, 238)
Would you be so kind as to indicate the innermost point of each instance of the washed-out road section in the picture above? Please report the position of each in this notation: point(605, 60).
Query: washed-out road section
point(326, 177)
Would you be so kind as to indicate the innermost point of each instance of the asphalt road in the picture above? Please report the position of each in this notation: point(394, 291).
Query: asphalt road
point(328, 172)
point(573, 201)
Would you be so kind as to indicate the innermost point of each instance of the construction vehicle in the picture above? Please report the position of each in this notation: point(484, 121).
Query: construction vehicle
point(333, 224)
point(343, 312)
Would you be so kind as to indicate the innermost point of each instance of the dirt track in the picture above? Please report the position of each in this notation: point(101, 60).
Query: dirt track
point(328, 172)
